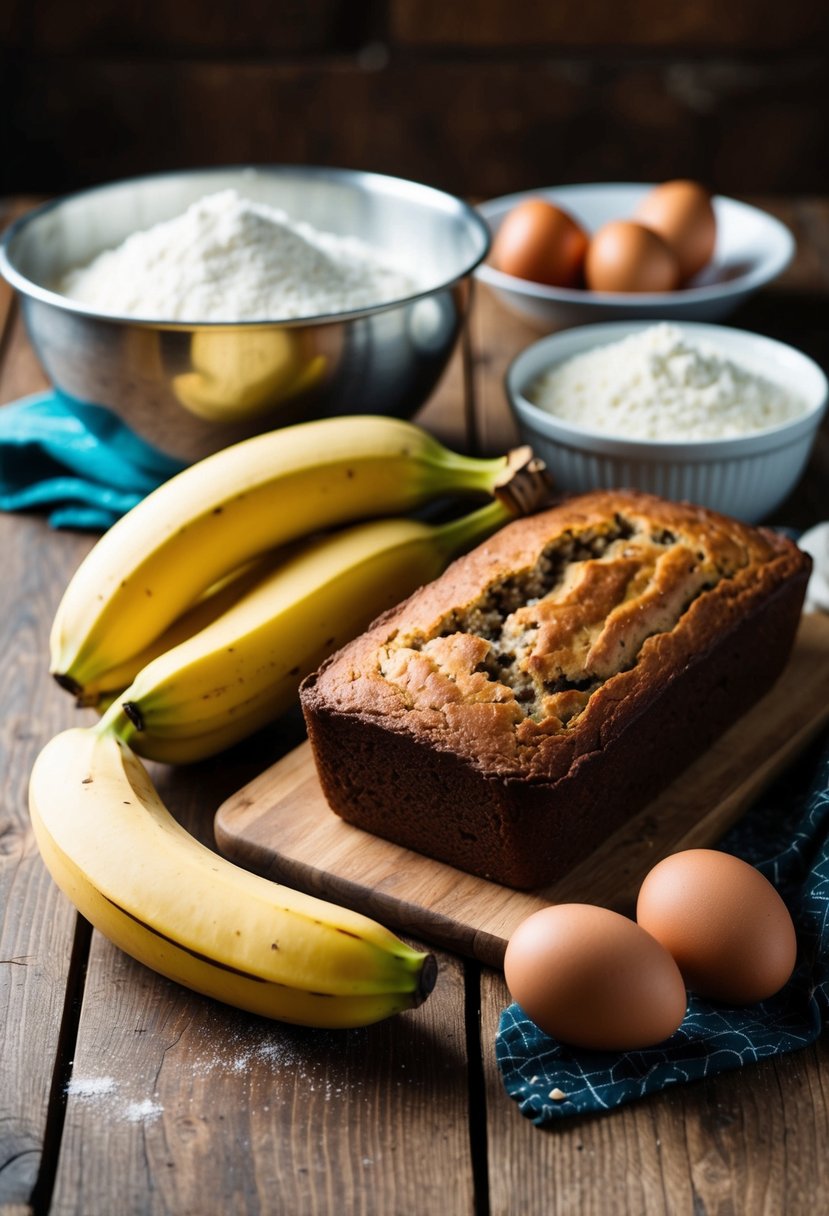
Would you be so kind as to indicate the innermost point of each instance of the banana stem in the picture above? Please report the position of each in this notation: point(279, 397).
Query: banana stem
point(472, 474)
point(461, 534)
point(526, 484)
point(116, 722)
point(520, 479)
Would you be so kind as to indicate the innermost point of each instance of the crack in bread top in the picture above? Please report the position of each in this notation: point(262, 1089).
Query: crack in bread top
point(543, 640)
point(535, 648)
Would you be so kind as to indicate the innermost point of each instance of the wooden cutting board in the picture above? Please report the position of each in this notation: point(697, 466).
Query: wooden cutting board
point(280, 826)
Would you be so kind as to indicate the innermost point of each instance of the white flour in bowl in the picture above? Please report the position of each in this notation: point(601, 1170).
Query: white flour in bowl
point(229, 259)
point(658, 384)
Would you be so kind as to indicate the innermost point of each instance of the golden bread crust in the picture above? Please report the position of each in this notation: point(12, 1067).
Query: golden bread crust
point(545, 646)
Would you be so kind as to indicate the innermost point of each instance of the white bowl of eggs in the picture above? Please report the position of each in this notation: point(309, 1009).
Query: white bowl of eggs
point(570, 255)
point(685, 410)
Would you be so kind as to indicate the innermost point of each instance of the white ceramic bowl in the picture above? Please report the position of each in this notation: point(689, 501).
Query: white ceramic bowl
point(752, 249)
point(746, 477)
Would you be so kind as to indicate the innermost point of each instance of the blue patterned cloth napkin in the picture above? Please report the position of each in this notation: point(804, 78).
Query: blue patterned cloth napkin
point(786, 836)
point(78, 462)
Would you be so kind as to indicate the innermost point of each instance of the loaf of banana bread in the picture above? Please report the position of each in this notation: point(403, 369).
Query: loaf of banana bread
point(510, 715)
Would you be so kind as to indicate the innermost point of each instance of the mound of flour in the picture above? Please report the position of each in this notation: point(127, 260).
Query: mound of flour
point(659, 384)
point(229, 259)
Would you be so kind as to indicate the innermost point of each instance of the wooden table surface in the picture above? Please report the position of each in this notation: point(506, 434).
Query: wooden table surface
point(121, 1093)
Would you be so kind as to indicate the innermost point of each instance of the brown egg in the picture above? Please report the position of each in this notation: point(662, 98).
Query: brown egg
point(723, 922)
point(625, 256)
point(540, 242)
point(682, 214)
point(593, 978)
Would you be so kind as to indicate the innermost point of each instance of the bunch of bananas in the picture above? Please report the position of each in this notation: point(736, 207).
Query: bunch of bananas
point(190, 624)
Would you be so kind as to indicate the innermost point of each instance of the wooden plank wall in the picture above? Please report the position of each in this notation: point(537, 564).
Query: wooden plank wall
point(480, 97)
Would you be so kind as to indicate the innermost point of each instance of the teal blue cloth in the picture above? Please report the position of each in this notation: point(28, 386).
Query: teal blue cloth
point(76, 461)
point(786, 836)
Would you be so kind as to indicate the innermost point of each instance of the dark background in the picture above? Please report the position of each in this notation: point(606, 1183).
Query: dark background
point(476, 97)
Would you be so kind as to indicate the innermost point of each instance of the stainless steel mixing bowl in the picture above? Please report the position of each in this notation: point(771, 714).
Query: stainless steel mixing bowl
point(194, 388)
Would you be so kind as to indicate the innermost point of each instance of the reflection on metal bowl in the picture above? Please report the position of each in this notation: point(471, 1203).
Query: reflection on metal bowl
point(239, 376)
point(192, 388)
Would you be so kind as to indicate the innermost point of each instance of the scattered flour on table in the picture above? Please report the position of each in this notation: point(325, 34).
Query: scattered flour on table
point(139, 1112)
point(230, 259)
point(326, 1063)
point(90, 1087)
point(319, 1062)
point(307, 1059)
point(104, 1092)
point(658, 384)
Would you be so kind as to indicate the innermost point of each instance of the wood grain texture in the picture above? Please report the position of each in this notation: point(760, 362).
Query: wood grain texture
point(20, 374)
point(252, 27)
point(748, 1142)
point(36, 923)
point(444, 414)
point(212, 1111)
point(750, 25)
point(477, 98)
point(482, 128)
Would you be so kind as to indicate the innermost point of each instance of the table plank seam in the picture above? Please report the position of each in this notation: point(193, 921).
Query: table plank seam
point(41, 1197)
point(476, 1087)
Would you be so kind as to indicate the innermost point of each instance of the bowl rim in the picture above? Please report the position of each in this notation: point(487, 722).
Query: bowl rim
point(760, 272)
point(390, 186)
point(549, 426)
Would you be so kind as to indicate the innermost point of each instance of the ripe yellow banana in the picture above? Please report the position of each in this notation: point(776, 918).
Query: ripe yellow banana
point(151, 566)
point(99, 693)
point(181, 909)
point(244, 669)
